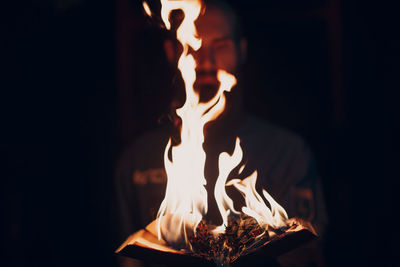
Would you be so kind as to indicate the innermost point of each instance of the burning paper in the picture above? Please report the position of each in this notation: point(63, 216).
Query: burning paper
point(208, 251)
point(179, 226)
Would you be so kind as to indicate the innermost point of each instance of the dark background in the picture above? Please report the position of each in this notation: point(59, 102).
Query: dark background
point(81, 78)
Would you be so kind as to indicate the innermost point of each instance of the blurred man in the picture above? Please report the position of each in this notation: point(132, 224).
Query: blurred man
point(284, 162)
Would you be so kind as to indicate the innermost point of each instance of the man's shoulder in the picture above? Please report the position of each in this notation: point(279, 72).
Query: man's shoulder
point(262, 133)
point(147, 148)
point(146, 140)
point(283, 160)
point(278, 154)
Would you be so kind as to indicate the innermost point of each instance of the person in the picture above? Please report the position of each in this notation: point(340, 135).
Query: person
point(286, 167)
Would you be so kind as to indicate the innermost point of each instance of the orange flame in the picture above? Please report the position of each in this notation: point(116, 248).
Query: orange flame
point(146, 8)
point(255, 206)
point(226, 164)
point(185, 201)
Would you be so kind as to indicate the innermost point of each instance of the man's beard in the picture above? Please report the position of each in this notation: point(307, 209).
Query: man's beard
point(206, 85)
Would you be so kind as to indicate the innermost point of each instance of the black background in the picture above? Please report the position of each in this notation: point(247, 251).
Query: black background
point(65, 118)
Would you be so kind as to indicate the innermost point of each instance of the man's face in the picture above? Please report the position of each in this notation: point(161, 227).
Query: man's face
point(219, 50)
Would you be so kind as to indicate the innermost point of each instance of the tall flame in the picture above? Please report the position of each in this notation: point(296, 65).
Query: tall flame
point(185, 201)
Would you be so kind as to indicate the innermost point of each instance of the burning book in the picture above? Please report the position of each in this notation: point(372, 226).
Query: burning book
point(179, 234)
point(240, 244)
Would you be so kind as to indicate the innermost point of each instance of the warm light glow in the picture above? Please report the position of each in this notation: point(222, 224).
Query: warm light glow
point(226, 164)
point(255, 206)
point(147, 8)
point(185, 202)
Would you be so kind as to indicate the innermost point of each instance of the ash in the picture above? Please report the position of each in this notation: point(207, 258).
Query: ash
point(242, 236)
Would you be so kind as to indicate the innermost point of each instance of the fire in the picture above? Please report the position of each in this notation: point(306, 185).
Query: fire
point(146, 8)
point(185, 202)
point(255, 206)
